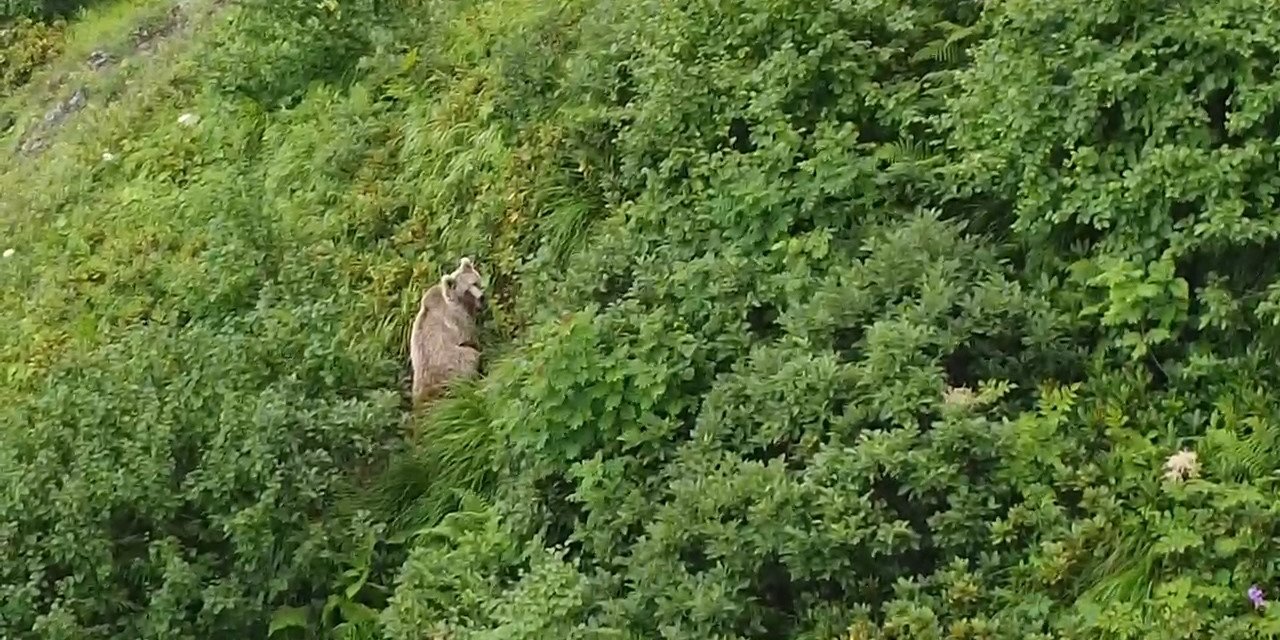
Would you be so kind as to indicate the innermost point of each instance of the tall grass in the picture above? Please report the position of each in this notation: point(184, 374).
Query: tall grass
point(452, 452)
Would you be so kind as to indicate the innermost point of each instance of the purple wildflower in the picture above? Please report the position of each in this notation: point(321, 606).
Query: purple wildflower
point(1256, 597)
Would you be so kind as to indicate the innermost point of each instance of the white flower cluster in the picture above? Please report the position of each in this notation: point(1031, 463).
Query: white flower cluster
point(1182, 466)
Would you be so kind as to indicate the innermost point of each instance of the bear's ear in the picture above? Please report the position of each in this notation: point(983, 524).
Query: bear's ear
point(447, 283)
point(464, 263)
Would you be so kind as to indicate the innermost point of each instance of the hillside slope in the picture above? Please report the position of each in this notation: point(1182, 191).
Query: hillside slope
point(865, 319)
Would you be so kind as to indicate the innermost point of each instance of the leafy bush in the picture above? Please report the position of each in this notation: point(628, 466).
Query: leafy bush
point(24, 46)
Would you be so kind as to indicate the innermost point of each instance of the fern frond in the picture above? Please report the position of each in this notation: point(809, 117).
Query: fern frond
point(1243, 450)
point(901, 151)
point(948, 50)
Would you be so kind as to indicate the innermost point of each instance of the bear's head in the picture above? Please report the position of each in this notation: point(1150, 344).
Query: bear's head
point(464, 286)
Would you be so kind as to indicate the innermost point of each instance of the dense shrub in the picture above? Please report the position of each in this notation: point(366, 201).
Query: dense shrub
point(271, 51)
point(1135, 145)
point(189, 377)
point(143, 481)
point(812, 410)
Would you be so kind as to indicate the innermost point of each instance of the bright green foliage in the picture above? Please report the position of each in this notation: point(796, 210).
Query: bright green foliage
point(812, 320)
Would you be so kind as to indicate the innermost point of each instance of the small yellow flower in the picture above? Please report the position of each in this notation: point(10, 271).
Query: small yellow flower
point(1181, 466)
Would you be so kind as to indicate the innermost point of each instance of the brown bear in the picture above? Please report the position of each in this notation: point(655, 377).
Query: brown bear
point(443, 345)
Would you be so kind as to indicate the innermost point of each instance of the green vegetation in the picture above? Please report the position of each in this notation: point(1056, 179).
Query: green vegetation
point(811, 320)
